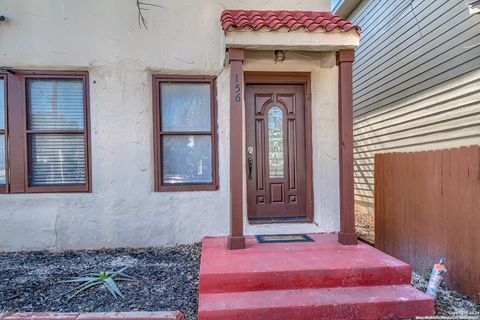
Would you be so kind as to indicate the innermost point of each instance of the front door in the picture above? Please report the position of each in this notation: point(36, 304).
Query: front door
point(276, 162)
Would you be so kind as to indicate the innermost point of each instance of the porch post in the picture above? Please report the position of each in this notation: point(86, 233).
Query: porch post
point(347, 234)
point(236, 240)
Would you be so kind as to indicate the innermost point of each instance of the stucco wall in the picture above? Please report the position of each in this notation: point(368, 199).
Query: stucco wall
point(104, 38)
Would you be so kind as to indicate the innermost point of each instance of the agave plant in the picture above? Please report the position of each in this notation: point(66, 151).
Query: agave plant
point(105, 278)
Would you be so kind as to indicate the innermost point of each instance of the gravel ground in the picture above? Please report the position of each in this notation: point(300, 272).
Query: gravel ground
point(167, 279)
point(449, 303)
point(365, 225)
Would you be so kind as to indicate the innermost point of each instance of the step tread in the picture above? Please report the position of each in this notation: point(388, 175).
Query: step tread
point(308, 297)
point(281, 266)
point(326, 254)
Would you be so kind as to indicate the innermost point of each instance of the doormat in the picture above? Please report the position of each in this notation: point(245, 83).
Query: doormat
point(276, 238)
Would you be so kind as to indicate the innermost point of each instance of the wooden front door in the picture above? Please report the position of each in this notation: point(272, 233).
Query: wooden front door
point(276, 161)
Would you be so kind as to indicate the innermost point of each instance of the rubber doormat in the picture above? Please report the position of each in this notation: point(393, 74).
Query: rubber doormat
point(275, 238)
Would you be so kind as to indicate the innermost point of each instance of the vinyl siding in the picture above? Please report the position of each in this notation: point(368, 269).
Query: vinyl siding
point(416, 81)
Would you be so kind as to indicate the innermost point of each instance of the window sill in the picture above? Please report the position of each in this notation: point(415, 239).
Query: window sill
point(186, 188)
point(58, 189)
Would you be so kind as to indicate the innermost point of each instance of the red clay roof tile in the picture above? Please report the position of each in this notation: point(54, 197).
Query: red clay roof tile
point(274, 20)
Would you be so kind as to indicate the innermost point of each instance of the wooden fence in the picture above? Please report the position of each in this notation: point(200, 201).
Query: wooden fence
point(427, 204)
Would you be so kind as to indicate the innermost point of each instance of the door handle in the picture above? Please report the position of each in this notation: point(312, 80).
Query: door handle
point(250, 168)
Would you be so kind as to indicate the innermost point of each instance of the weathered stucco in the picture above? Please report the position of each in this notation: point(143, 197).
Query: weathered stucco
point(184, 37)
point(293, 40)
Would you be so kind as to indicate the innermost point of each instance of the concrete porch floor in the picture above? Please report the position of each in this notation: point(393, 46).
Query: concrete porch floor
point(305, 280)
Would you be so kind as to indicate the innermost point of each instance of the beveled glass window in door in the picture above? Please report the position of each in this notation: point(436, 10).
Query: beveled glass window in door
point(275, 143)
point(187, 137)
point(56, 142)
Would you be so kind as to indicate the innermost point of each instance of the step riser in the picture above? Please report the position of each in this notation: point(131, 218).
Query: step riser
point(383, 310)
point(300, 281)
point(212, 283)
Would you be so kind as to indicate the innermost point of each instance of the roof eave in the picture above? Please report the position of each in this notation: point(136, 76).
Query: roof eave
point(344, 8)
point(306, 41)
point(474, 7)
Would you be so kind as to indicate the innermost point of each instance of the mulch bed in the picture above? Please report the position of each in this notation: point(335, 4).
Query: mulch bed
point(167, 279)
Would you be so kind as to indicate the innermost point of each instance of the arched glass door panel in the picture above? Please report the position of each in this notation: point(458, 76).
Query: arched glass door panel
point(276, 155)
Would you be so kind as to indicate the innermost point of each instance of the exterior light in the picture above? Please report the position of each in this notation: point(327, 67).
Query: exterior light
point(474, 7)
point(7, 69)
point(279, 56)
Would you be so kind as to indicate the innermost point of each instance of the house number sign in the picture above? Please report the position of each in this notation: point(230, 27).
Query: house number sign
point(238, 88)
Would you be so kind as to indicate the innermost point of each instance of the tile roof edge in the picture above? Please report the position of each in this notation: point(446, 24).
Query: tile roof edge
point(234, 20)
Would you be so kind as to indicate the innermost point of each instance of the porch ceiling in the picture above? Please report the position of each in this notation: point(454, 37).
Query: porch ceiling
point(288, 30)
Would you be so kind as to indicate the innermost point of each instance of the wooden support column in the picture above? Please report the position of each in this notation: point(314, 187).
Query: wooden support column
point(236, 240)
point(347, 234)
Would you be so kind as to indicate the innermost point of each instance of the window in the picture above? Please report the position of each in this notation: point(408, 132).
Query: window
point(185, 133)
point(47, 132)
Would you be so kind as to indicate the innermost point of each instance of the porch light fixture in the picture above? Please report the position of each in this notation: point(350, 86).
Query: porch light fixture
point(7, 69)
point(279, 56)
point(474, 7)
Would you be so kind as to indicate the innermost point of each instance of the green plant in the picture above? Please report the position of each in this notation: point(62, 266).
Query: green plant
point(105, 278)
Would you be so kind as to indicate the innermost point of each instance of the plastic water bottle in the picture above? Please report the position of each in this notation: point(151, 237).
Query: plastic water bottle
point(436, 277)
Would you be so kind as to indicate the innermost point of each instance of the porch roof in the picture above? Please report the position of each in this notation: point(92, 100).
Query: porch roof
point(290, 20)
point(288, 30)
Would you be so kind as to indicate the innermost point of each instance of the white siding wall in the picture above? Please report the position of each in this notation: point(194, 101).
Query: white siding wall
point(416, 81)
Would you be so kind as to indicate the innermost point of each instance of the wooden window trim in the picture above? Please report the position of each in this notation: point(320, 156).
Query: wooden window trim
point(4, 132)
point(157, 133)
point(16, 99)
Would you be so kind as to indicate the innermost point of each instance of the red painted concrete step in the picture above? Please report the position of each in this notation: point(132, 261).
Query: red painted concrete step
point(379, 302)
point(132, 315)
point(282, 266)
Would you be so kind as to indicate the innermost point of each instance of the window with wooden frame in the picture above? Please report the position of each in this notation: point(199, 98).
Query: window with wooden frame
point(185, 141)
point(44, 139)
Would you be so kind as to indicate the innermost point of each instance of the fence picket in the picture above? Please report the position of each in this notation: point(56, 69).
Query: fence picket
point(428, 204)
